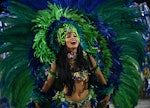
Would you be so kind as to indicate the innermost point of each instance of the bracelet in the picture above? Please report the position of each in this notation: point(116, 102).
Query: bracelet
point(109, 90)
point(96, 69)
point(52, 74)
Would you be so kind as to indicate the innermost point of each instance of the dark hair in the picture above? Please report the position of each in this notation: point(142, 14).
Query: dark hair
point(64, 70)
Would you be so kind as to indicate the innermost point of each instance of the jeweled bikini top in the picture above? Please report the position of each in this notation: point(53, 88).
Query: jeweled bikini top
point(81, 75)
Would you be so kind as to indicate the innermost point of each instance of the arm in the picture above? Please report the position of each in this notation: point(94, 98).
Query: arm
point(50, 78)
point(98, 72)
point(48, 83)
point(100, 76)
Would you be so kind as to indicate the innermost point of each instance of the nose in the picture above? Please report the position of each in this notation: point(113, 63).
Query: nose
point(73, 38)
point(72, 35)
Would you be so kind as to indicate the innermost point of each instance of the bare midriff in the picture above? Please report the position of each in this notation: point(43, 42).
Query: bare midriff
point(80, 91)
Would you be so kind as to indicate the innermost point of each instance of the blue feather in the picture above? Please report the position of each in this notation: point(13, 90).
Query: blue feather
point(86, 5)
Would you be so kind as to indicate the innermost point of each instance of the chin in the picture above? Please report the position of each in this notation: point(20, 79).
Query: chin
point(74, 47)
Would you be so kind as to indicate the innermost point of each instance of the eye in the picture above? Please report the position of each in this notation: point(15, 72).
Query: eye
point(74, 35)
point(67, 36)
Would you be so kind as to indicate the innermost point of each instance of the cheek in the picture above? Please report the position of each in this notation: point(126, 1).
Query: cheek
point(78, 43)
point(67, 43)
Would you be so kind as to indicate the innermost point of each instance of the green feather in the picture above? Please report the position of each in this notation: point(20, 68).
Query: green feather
point(15, 81)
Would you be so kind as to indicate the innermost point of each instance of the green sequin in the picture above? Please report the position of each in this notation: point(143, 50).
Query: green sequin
point(63, 31)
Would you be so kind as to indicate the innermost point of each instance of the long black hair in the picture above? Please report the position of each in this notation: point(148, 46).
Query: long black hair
point(64, 70)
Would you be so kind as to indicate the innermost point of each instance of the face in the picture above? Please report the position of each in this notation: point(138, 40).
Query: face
point(72, 41)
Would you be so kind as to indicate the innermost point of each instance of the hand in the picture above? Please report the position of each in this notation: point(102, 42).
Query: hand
point(37, 105)
point(32, 103)
point(105, 100)
point(42, 90)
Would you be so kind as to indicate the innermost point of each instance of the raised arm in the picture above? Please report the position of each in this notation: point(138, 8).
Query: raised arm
point(50, 78)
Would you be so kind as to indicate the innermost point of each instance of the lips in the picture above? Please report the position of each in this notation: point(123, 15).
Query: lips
point(73, 42)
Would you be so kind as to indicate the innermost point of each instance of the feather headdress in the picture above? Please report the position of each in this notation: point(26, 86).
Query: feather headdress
point(107, 30)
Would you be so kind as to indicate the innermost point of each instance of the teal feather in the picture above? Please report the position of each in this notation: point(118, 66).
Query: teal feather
point(130, 83)
point(23, 88)
point(132, 44)
point(15, 81)
point(122, 20)
point(18, 38)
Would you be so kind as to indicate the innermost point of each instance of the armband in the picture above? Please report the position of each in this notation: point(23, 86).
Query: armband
point(96, 69)
point(110, 90)
point(53, 75)
point(107, 89)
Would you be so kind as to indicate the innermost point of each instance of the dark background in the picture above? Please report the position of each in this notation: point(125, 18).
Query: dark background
point(141, 1)
point(138, 1)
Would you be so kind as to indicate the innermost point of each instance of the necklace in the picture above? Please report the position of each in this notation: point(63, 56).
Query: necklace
point(71, 55)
